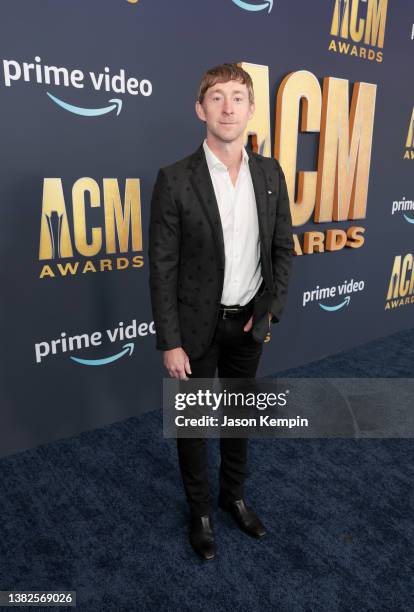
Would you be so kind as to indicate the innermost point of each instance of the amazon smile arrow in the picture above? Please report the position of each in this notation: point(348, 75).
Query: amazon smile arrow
point(88, 112)
point(128, 348)
point(338, 307)
point(254, 7)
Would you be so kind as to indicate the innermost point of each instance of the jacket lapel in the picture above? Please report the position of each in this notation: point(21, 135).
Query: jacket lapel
point(260, 192)
point(203, 186)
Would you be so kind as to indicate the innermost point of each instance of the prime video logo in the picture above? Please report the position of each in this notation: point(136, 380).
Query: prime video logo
point(247, 6)
point(402, 206)
point(57, 76)
point(342, 290)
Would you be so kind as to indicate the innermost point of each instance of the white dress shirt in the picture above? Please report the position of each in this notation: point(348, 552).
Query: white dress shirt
point(238, 213)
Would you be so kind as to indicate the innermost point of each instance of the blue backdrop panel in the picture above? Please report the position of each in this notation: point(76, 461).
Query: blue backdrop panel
point(119, 129)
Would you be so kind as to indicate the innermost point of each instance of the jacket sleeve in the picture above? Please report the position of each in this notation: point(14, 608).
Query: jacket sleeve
point(282, 248)
point(164, 255)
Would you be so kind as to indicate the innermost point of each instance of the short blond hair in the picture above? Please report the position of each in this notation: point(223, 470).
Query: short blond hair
point(222, 74)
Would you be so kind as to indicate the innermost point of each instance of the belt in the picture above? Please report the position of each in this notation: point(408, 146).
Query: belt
point(234, 312)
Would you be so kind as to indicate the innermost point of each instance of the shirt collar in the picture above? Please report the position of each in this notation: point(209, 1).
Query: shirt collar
point(213, 160)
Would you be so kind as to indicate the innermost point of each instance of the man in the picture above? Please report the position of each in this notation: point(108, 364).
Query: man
point(220, 255)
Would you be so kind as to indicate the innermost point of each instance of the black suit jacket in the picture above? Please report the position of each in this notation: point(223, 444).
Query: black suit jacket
point(186, 251)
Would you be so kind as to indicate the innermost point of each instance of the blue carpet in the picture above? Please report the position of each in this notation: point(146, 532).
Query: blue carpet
point(104, 514)
point(390, 357)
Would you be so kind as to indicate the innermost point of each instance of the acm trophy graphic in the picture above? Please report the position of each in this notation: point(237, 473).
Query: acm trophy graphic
point(54, 224)
point(410, 136)
point(342, 8)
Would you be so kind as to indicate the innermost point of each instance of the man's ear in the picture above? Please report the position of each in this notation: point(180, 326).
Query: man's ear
point(252, 110)
point(200, 111)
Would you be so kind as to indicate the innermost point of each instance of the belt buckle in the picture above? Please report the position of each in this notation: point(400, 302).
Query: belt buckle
point(228, 310)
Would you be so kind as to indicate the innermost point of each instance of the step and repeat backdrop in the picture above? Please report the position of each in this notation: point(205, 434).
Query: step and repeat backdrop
point(97, 96)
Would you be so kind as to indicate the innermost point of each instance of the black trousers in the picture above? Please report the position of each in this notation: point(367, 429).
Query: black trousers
point(235, 354)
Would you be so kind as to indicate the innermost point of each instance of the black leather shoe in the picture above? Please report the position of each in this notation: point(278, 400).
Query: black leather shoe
point(245, 518)
point(202, 537)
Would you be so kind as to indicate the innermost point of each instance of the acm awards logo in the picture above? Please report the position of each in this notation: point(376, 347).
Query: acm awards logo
point(359, 30)
point(401, 285)
point(94, 229)
point(409, 144)
point(336, 190)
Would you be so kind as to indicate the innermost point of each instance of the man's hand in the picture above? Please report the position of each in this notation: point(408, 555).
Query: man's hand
point(177, 363)
point(249, 323)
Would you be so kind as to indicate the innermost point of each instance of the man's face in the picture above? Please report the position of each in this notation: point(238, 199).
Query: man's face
point(226, 110)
